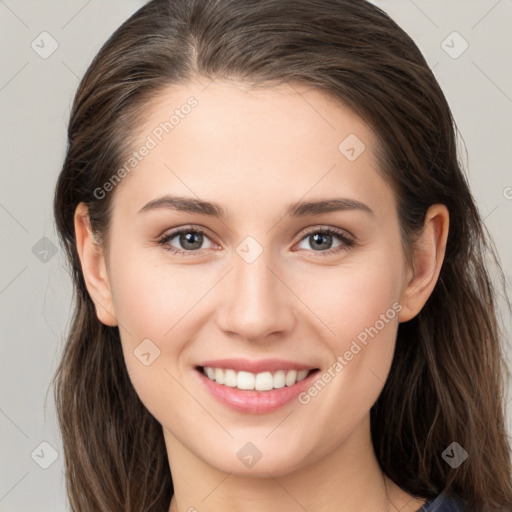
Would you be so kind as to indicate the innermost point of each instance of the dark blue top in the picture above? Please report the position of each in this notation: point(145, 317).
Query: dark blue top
point(442, 504)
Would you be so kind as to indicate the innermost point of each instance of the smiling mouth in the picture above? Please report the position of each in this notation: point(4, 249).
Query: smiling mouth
point(247, 381)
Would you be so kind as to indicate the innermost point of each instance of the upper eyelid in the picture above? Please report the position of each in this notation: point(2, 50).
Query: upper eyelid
point(322, 228)
point(187, 228)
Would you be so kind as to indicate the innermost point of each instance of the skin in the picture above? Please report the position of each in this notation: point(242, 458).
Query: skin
point(256, 151)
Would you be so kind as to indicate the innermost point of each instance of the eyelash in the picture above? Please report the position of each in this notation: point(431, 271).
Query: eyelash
point(347, 243)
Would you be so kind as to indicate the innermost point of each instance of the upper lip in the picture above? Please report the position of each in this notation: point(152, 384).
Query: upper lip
point(260, 366)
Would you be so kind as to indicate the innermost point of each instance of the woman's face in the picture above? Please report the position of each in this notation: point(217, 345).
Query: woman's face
point(259, 278)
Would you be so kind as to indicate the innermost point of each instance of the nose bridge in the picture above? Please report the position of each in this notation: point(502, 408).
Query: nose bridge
point(256, 303)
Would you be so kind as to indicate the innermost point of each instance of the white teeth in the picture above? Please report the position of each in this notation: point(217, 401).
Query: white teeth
point(291, 378)
point(263, 381)
point(219, 375)
point(244, 380)
point(302, 375)
point(230, 378)
point(280, 379)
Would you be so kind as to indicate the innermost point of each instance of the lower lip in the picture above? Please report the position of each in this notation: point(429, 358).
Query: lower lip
point(255, 402)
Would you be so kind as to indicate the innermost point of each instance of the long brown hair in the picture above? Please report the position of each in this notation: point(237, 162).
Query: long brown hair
point(447, 378)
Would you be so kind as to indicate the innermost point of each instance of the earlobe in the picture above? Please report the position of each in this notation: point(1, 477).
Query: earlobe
point(428, 256)
point(92, 260)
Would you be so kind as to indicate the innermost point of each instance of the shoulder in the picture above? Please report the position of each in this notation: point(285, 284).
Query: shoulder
point(442, 503)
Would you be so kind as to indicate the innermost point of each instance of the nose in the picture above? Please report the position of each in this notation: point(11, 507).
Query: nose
point(256, 302)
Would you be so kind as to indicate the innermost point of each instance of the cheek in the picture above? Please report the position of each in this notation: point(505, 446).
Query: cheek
point(151, 299)
point(152, 306)
point(360, 305)
point(357, 296)
point(159, 310)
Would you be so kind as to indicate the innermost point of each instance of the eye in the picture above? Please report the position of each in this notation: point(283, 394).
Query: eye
point(189, 241)
point(321, 240)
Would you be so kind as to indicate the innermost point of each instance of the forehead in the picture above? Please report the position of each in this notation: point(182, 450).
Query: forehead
point(232, 140)
point(292, 112)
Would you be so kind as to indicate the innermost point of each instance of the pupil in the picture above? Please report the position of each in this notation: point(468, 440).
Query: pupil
point(318, 241)
point(188, 238)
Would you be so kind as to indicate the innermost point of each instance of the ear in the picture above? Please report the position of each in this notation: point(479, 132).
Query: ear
point(94, 268)
point(427, 257)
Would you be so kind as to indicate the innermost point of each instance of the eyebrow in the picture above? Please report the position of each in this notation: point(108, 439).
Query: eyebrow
point(298, 209)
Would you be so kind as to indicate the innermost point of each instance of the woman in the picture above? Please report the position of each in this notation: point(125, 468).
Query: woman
point(280, 272)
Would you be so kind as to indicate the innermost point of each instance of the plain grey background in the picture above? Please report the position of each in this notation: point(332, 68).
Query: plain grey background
point(45, 49)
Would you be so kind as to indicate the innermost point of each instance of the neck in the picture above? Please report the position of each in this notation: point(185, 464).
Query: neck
point(345, 479)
